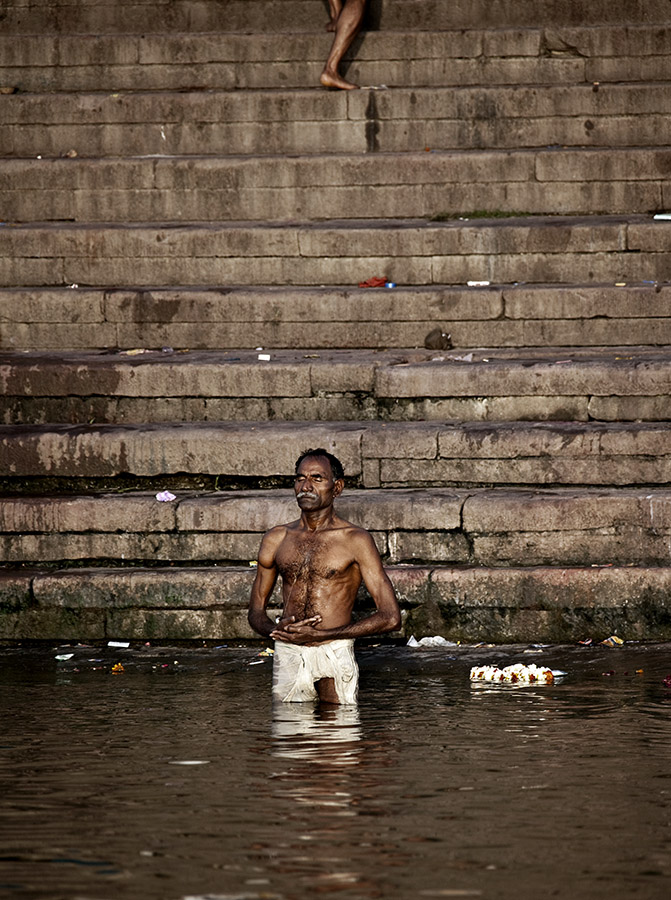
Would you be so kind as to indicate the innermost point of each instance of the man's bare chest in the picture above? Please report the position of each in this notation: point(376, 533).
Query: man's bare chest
point(312, 558)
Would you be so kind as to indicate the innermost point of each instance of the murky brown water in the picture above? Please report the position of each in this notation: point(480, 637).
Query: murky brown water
point(430, 788)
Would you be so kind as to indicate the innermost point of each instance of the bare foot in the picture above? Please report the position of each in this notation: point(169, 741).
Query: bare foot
point(332, 25)
point(333, 80)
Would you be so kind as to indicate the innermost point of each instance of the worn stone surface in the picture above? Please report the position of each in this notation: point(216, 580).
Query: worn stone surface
point(556, 604)
point(202, 588)
point(477, 527)
point(40, 62)
point(514, 316)
point(308, 15)
point(410, 453)
point(469, 604)
point(316, 187)
point(218, 448)
point(506, 250)
point(15, 591)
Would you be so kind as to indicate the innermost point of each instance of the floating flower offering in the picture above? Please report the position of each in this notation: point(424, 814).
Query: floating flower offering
point(515, 674)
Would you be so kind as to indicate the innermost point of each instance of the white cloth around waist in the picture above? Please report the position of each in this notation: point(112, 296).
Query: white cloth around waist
point(296, 668)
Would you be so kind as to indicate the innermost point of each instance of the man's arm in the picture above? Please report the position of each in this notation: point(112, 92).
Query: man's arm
point(387, 616)
point(266, 576)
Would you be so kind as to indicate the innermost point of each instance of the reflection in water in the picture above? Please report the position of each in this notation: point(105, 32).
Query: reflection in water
point(330, 778)
point(328, 735)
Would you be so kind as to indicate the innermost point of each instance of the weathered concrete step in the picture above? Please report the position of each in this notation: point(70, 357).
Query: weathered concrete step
point(475, 528)
point(110, 62)
point(92, 16)
point(375, 454)
point(392, 185)
point(503, 605)
point(510, 316)
point(537, 250)
point(482, 385)
point(318, 121)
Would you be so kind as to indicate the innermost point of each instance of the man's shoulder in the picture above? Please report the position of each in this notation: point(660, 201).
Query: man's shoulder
point(350, 531)
point(277, 533)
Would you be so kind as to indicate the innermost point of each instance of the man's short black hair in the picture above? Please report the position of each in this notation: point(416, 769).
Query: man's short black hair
point(334, 462)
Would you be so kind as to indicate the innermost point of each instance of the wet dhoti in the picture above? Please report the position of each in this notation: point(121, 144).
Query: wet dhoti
point(296, 668)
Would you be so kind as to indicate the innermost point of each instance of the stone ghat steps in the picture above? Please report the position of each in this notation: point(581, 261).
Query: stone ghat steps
point(581, 385)
point(603, 249)
point(84, 16)
point(503, 605)
point(502, 527)
point(584, 181)
point(82, 458)
point(317, 121)
point(576, 315)
point(230, 61)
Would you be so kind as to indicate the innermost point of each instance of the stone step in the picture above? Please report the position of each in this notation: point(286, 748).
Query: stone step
point(92, 16)
point(577, 315)
point(112, 62)
point(598, 384)
point(317, 121)
point(375, 454)
point(475, 528)
point(502, 605)
point(557, 249)
point(439, 184)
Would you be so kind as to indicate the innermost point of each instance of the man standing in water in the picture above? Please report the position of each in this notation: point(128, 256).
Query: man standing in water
point(322, 560)
point(346, 18)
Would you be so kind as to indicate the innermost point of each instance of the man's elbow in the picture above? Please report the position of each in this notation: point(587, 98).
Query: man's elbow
point(392, 620)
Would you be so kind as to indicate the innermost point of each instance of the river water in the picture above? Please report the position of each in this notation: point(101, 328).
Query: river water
point(177, 778)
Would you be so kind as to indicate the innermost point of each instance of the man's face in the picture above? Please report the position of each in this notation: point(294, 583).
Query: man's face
point(314, 486)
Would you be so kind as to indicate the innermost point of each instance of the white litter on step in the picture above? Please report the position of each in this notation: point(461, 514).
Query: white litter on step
point(436, 641)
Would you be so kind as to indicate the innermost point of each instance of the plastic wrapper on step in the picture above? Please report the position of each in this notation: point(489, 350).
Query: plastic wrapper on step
point(515, 674)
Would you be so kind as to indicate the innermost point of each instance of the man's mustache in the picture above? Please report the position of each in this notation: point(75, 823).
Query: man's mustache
point(310, 494)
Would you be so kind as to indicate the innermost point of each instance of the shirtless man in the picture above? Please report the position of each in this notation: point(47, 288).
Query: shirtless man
point(322, 560)
point(346, 21)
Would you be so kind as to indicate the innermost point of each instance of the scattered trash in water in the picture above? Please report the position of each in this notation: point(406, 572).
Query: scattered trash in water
point(267, 652)
point(478, 283)
point(117, 669)
point(64, 656)
point(436, 641)
point(165, 497)
point(667, 681)
point(586, 643)
point(257, 662)
point(373, 282)
point(662, 217)
point(123, 644)
point(390, 284)
point(613, 641)
point(253, 563)
point(265, 357)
